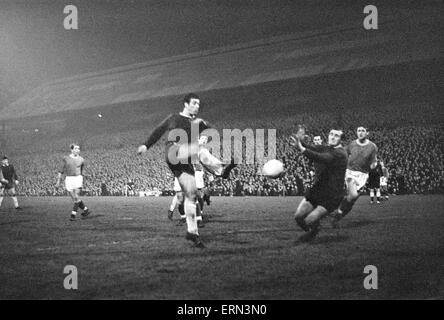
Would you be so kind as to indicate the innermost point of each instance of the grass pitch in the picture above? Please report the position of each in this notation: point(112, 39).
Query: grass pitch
point(128, 249)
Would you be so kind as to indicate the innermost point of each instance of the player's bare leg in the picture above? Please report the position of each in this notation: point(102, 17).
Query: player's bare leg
point(14, 198)
point(2, 193)
point(313, 222)
point(173, 206)
point(347, 203)
point(303, 210)
point(378, 195)
point(188, 185)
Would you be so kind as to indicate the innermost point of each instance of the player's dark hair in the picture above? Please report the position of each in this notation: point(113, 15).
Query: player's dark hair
point(5, 157)
point(190, 96)
point(73, 145)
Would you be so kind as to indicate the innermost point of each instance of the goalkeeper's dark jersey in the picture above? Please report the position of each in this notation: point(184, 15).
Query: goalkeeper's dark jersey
point(330, 181)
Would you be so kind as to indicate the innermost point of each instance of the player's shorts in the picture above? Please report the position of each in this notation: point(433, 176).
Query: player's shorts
point(7, 186)
point(374, 183)
point(199, 175)
point(178, 168)
point(328, 202)
point(360, 178)
point(177, 187)
point(383, 182)
point(73, 182)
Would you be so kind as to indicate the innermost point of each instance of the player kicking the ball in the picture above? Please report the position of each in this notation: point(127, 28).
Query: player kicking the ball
point(72, 167)
point(182, 149)
point(328, 187)
point(361, 158)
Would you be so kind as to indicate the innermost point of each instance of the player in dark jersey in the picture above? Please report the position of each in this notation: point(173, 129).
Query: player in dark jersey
point(9, 180)
point(130, 189)
point(361, 158)
point(374, 182)
point(182, 150)
point(327, 191)
point(72, 167)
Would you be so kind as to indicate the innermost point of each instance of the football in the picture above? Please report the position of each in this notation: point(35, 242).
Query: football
point(273, 168)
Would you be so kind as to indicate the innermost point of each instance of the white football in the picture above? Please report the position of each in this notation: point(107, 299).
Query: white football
point(273, 168)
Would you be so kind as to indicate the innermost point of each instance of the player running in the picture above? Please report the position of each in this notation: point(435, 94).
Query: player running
point(9, 180)
point(72, 167)
point(182, 149)
point(361, 158)
point(328, 187)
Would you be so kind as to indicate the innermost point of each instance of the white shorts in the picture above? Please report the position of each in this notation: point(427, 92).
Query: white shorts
point(73, 182)
point(199, 176)
point(360, 178)
point(383, 181)
point(177, 187)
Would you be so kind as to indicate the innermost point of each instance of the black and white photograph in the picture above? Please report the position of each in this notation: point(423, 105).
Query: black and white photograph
point(243, 151)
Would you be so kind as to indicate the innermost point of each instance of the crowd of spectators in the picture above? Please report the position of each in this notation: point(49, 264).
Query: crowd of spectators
point(410, 142)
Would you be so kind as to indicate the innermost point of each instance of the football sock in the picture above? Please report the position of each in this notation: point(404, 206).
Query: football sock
point(190, 211)
point(16, 204)
point(181, 209)
point(200, 200)
point(82, 205)
point(173, 203)
point(75, 207)
point(198, 211)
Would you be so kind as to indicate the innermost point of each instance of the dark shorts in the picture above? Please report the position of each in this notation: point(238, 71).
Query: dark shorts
point(374, 183)
point(7, 186)
point(179, 168)
point(319, 199)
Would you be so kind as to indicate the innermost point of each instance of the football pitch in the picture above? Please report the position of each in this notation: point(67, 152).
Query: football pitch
point(128, 249)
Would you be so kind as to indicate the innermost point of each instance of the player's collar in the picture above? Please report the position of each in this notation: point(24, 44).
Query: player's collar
point(363, 144)
point(186, 116)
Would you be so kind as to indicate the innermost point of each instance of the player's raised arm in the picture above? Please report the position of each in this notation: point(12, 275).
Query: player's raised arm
point(155, 135)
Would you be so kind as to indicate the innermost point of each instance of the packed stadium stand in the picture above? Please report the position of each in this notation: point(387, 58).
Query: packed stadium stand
point(377, 80)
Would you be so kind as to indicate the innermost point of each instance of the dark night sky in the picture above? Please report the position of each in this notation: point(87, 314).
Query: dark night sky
point(35, 48)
